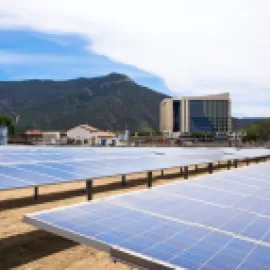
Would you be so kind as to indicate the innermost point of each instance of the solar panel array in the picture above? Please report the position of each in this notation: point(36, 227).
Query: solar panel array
point(36, 166)
point(221, 221)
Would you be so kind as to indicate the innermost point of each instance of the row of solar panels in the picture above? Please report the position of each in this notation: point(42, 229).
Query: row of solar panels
point(220, 221)
point(25, 155)
point(26, 172)
point(23, 175)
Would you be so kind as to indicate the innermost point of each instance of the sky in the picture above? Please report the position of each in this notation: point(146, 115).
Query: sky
point(178, 47)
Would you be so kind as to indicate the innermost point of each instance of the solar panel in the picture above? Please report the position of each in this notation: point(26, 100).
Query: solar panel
point(190, 224)
point(22, 167)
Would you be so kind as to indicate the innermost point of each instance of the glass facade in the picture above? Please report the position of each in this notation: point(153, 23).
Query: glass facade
point(208, 115)
point(176, 115)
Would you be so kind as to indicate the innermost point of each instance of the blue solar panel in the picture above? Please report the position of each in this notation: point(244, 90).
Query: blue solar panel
point(9, 182)
point(189, 224)
point(162, 239)
point(40, 166)
point(40, 169)
point(27, 175)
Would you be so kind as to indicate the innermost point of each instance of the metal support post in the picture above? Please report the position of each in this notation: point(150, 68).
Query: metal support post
point(247, 161)
point(229, 165)
point(181, 171)
point(150, 179)
point(210, 168)
point(196, 168)
point(162, 173)
point(36, 193)
point(186, 172)
point(124, 180)
point(235, 163)
point(89, 189)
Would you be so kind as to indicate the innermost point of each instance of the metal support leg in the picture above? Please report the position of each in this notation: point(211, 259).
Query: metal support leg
point(36, 193)
point(210, 168)
point(229, 165)
point(181, 171)
point(162, 173)
point(196, 168)
point(235, 163)
point(186, 172)
point(218, 165)
point(124, 180)
point(89, 189)
point(247, 161)
point(150, 179)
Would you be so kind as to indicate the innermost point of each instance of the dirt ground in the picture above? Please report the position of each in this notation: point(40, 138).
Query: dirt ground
point(25, 247)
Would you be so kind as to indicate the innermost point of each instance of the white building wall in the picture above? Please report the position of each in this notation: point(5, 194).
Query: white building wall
point(109, 141)
point(79, 133)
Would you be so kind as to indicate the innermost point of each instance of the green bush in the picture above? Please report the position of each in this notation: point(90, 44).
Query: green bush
point(8, 122)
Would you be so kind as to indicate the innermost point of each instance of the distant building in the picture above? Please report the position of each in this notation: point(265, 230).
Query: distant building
point(3, 135)
point(51, 136)
point(210, 113)
point(47, 137)
point(124, 137)
point(33, 135)
point(85, 134)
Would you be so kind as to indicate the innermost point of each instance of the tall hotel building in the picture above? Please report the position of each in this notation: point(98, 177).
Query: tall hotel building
point(196, 114)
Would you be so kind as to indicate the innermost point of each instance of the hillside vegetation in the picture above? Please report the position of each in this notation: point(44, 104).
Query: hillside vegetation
point(259, 131)
point(107, 102)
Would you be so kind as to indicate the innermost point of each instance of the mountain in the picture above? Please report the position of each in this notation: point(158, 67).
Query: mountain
point(108, 102)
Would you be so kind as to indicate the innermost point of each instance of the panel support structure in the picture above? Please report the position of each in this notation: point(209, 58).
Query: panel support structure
point(36, 193)
point(210, 168)
point(247, 161)
point(162, 173)
point(196, 168)
point(229, 165)
point(89, 190)
point(186, 172)
point(124, 180)
point(149, 179)
point(181, 171)
point(235, 163)
point(136, 261)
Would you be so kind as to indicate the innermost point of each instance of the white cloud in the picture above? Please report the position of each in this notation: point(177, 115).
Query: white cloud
point(195, 46)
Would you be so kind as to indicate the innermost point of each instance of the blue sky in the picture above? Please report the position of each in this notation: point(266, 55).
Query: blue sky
point(183, 48)
point(34, 55)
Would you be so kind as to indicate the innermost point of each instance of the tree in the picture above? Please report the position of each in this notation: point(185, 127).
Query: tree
point(259, 131)
point(144, 129)
point(8, 122)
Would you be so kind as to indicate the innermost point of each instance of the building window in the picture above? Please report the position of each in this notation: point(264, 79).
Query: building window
point(176, 115)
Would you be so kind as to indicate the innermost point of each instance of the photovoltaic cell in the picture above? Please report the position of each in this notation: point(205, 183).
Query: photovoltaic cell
point(50, 165)
point(193, 224)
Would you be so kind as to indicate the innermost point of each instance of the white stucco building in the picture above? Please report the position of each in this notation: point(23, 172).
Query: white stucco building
point(86, 134)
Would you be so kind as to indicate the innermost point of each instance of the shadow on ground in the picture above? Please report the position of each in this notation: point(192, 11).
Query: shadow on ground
point(21, 249)
point(49, 197)
point(130, 183)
